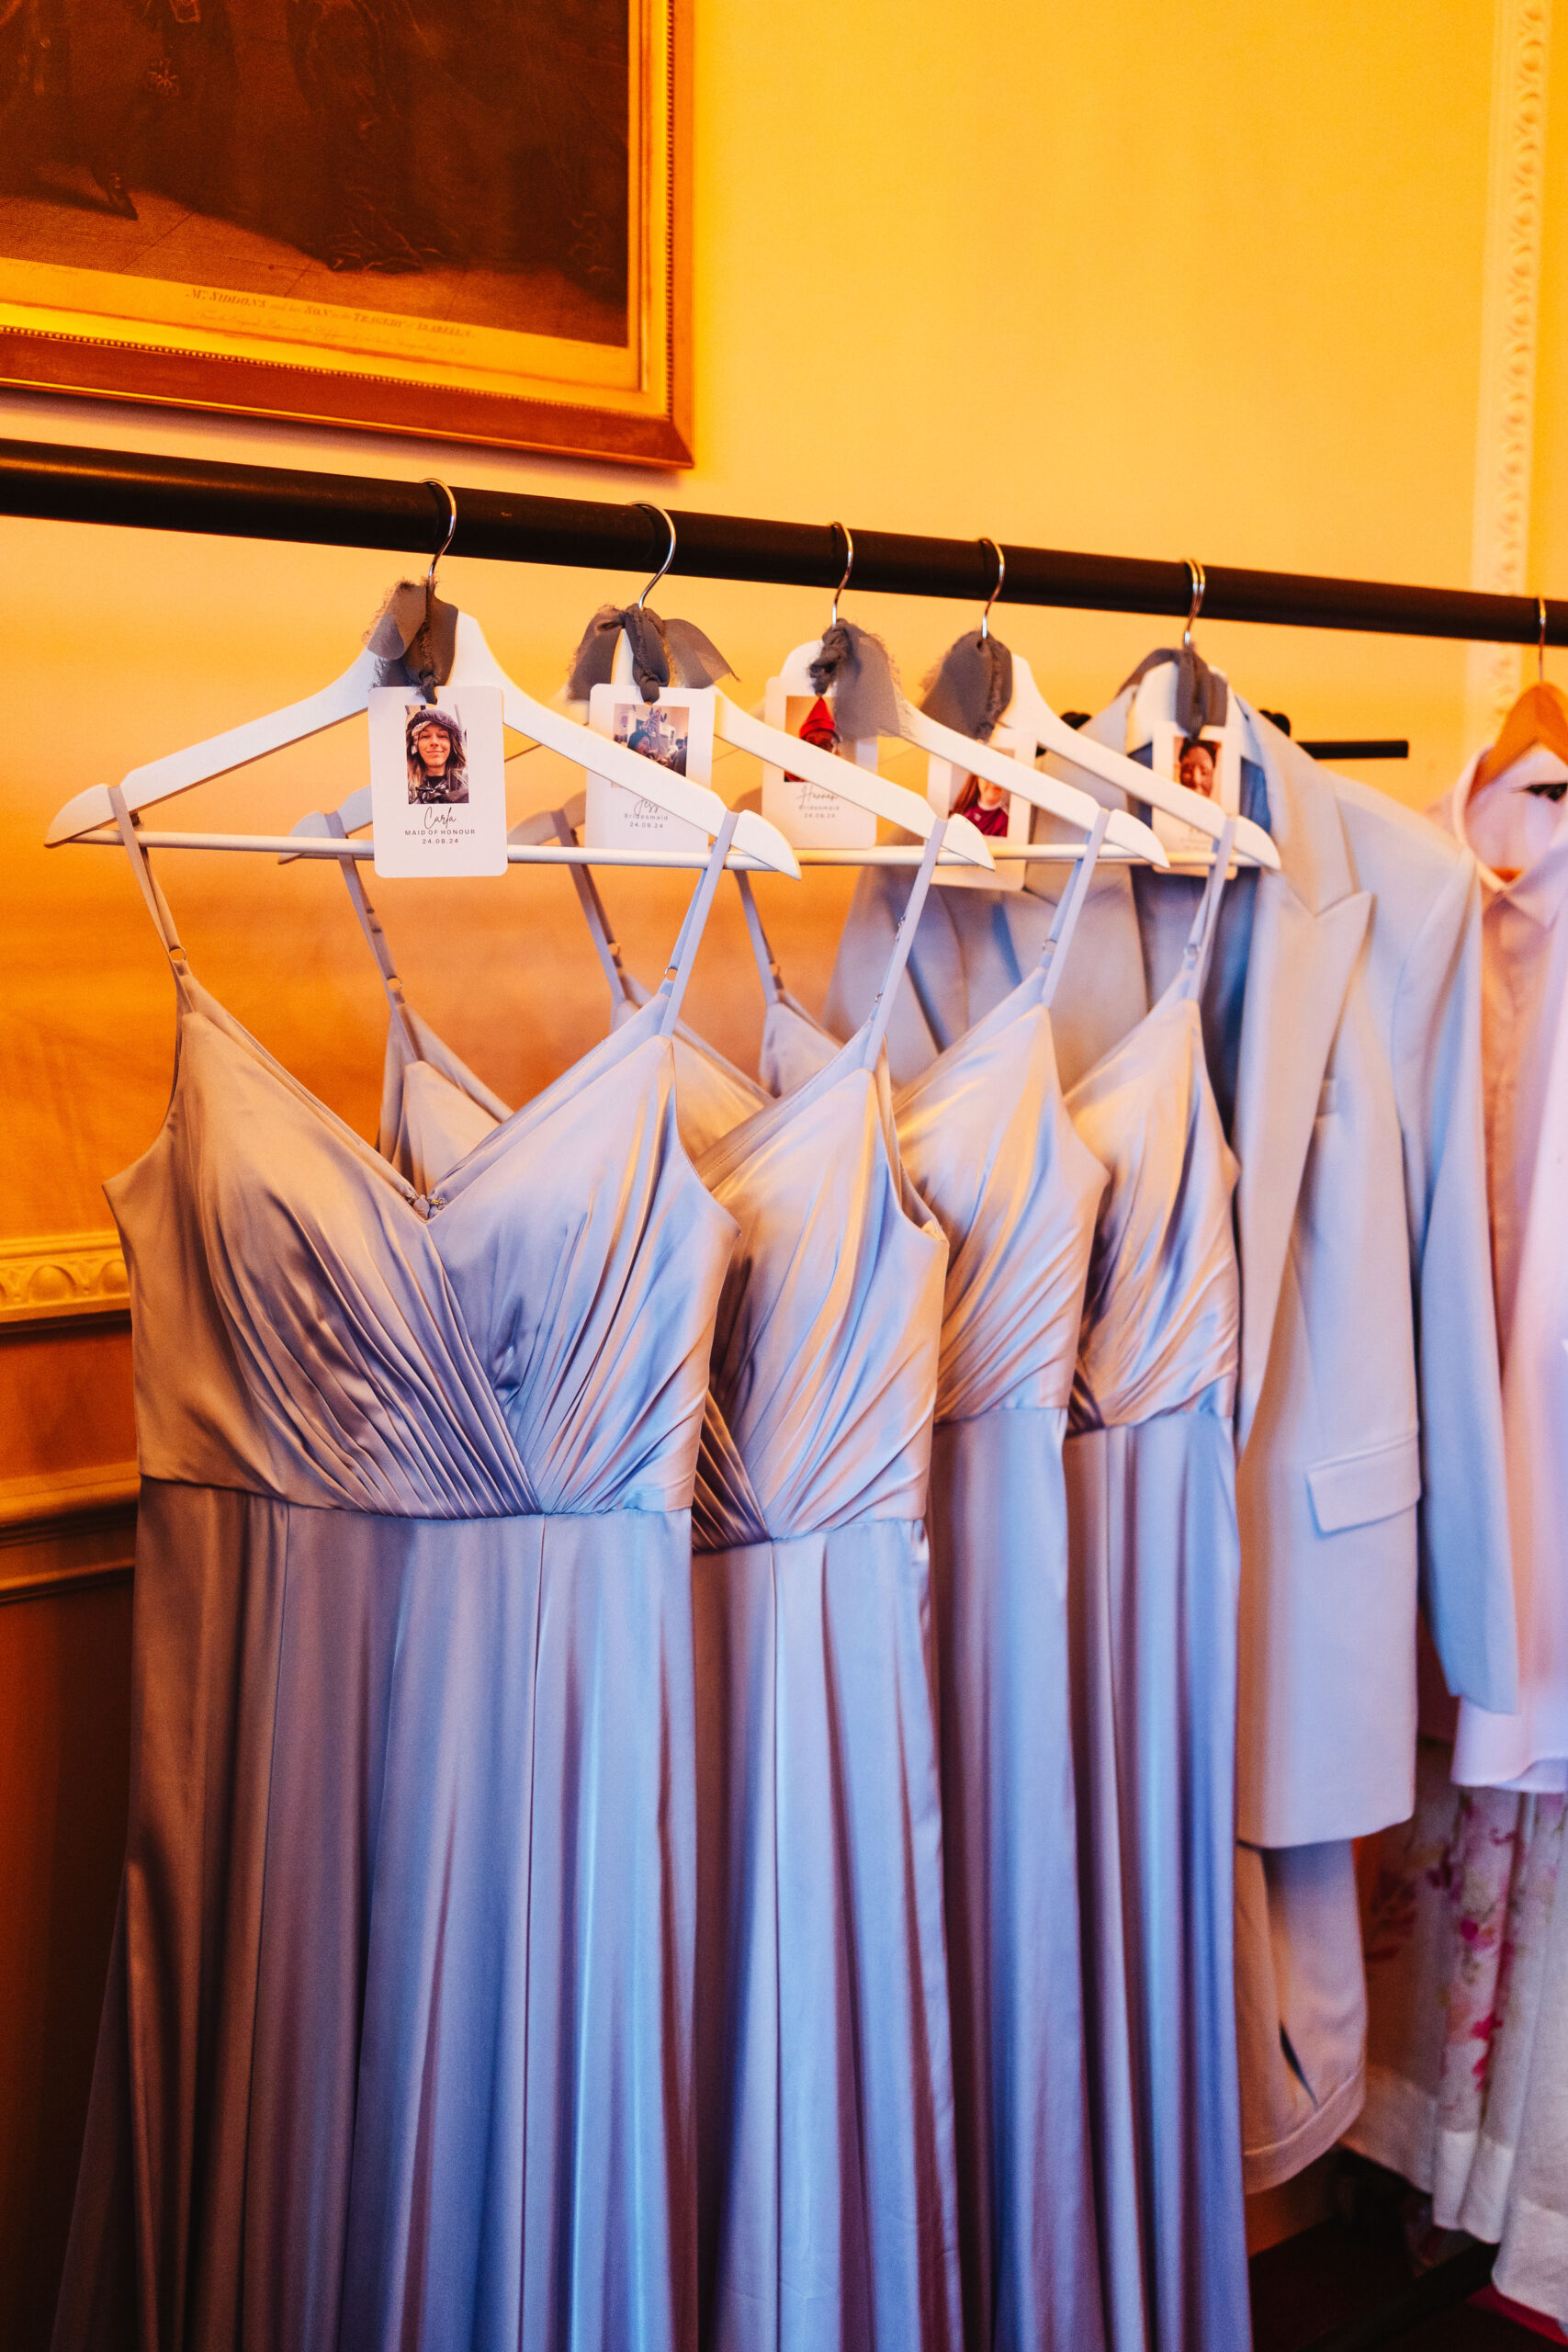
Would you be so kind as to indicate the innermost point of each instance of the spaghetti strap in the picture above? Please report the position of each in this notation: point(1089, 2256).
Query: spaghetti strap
point(370, 925)
point(605, 946)
point(677, 954)
point(157, 905)
point(1205, 922)
point(767, 963)
point(673, 987)
point(1058, 939)
point(909, 922)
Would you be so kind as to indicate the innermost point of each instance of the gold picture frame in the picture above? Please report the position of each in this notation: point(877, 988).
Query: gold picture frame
point(416, 252)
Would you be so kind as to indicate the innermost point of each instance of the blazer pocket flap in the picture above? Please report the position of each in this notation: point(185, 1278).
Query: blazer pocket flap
point(1358, 1488)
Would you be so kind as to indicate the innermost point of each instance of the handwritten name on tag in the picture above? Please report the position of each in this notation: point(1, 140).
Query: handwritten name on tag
point(807, 815)
point(437, 781)
point(676, 733)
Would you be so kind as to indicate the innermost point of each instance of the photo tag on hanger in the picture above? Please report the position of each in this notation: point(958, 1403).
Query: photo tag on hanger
point(807, 815)
point(1208, 762)
point(676, 732)
point(437, 781)
point(954, 792)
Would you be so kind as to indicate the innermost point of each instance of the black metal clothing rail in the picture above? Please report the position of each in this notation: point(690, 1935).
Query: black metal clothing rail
point(42, 479)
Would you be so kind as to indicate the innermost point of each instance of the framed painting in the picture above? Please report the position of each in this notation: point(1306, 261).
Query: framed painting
point(464, 218)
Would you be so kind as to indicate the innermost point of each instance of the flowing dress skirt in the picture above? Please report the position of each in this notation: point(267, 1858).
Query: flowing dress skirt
point(397, 2043)
point(1155, 1576)
point(826, 2085)
point(999, 1529)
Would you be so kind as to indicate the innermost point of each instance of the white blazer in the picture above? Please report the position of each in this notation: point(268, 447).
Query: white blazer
point(1369, 1422)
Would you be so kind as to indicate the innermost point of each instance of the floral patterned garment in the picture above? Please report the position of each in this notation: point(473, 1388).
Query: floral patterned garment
point(1457, 1931)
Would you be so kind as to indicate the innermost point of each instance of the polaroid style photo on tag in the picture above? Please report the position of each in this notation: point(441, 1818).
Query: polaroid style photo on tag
point(1000, 816)
point(1208, 761)
point(437, 781)
point(675, 732)
point(808, 816)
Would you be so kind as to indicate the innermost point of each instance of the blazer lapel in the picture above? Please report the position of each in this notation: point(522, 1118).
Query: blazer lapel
point(1308, 925)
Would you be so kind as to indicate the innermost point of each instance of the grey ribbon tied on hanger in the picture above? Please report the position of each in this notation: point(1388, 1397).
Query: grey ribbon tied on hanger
point(414, 639)
point(971, 686)
point(664, 653)
point(1202, 698)
point(859, 670)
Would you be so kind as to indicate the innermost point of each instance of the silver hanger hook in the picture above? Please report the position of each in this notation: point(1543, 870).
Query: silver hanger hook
point(849, 567)
point(1541, 640)
point(432, 484)
point(648, 507)
point(1002, 575)
point(1199, 581)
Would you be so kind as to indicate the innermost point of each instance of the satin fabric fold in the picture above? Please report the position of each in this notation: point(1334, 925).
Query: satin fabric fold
point(824, 2094)
point(434, 1109)
point(827, 1322)
point(825, 2125)
point(370, 2026)
point(1154, 1582)
point(711, 1094)
point(1026, 2133)
point(1162, 1315)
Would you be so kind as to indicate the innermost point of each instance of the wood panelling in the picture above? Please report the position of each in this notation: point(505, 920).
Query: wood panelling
point(64, 1750)
point(65, 1402)
point(67, 1539)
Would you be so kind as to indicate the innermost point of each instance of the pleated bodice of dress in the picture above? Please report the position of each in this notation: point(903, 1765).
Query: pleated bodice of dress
point(1162, 1313)
point(714, 1097)
point(988, 1142)
point(989, 1145)
point(532, 1339)
point(825, 2100)
point(711, 1094)
point(824, 1356)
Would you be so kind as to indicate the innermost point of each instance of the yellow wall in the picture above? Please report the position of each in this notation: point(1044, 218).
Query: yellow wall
point(1136, 279)
point(1115, 279)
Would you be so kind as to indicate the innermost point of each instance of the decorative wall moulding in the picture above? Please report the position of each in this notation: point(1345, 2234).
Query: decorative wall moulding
point(102, 1489)
point(68, 1531)
point(53, 1584)
point(62, 1277)
point(1505, 429)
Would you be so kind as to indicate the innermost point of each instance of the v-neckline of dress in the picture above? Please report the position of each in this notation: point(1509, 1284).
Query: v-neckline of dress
point(201, 1004)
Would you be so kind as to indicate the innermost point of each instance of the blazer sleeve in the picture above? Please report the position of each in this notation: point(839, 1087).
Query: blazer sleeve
point(1467, 1591)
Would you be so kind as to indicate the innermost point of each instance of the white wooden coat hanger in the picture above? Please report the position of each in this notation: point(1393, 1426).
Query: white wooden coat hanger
point(863, 788)
point(1029, 710)
point(473, 665)
point(1046, 792)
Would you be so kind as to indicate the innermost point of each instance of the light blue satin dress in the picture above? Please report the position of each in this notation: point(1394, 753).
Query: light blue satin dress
point(1156, 1573)
point(825, 2101)
point(714, 1095)
point(433, 1108)
point(397, 2046)
point(987, 1141)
